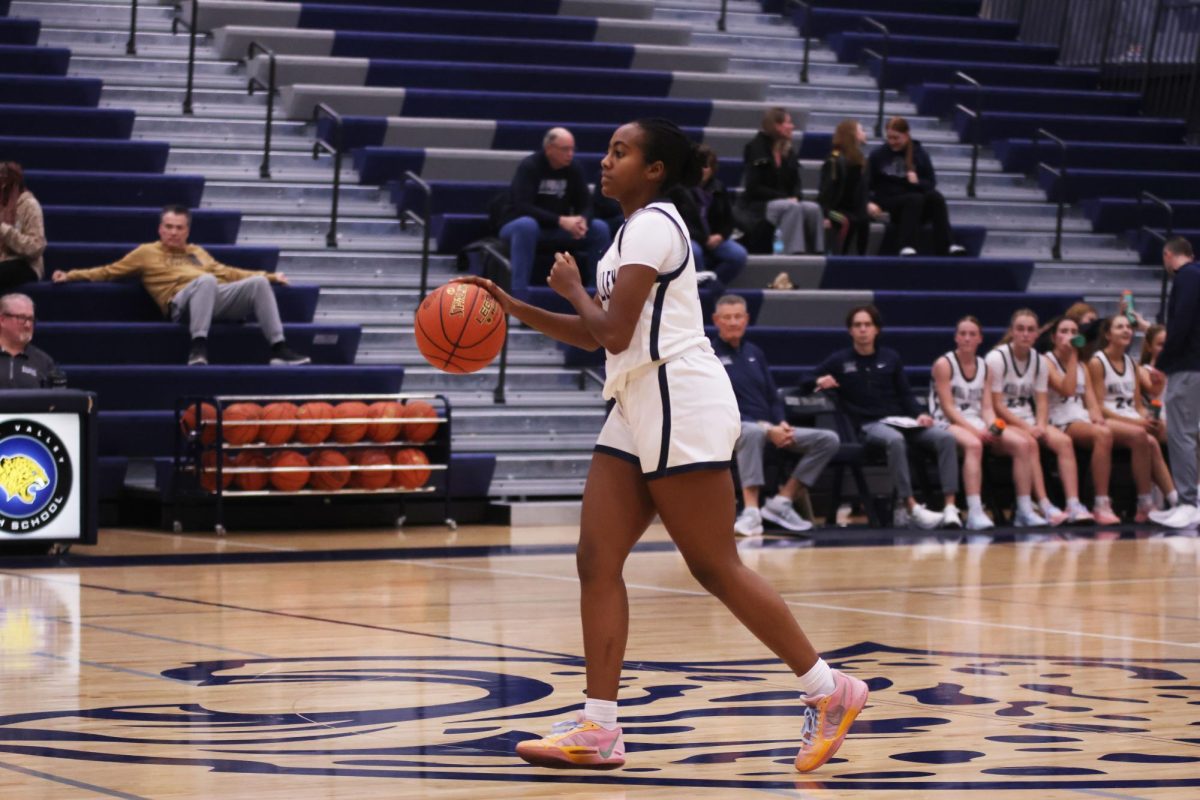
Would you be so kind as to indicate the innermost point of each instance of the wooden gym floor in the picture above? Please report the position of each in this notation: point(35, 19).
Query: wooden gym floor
point(406, 665)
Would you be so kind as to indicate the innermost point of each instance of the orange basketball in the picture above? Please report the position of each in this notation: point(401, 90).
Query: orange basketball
point(208, 418)
point(278, 412)
point(208, 475)
point(422, 432)
point(240, 412)
point(349, 432)
point(371, 479)
point(459, 327)
point(333, 480)
point(313, 433)
point(410, 478)
point(289, 481)
point(384, 431)
point(250, 481)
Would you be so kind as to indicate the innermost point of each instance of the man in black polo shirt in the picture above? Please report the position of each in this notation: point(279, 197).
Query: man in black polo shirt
point(23, 366)
point(763, 421)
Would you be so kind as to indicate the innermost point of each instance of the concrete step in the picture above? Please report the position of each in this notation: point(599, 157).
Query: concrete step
point(1104, 279)
point(111, 40)
point(400, 338)
point(150, 97)
point(129, 70)
point(94, 15)
point(518, 379)
point(541, 422)
point(292, 227)
point(735, 21)
point(583, 400)
point(550, 487)
point(553, 466)
point(786, 44)
point(364, 264)
point(268, 197)
point(500, 442)
point(820, 73)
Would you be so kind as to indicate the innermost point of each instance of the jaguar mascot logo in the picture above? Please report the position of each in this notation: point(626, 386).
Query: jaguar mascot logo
point(22, 477)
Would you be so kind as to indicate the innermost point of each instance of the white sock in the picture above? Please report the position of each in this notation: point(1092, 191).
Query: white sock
point(818, 680)
point(974, 504)
point(1046, 506)
point(1025, 504)
point(1173, 498)
point(1073, 502)
point(1103, 501)
point(1145, 501)
point(601, 712)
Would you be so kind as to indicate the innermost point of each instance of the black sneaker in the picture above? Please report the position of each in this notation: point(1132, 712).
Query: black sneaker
point(284, 356)
point(198, 356)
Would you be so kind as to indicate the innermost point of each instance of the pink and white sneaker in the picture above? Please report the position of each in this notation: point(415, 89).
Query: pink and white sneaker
point(576, 742)
point(828, 719)
point(1104, 516)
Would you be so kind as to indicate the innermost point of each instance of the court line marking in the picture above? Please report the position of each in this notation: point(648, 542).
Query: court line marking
point(112, 668)
point(91, 787)
point(225, 541)
point(168, 639)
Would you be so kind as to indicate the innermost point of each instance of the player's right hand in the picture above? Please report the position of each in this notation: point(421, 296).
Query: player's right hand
point(502, 297)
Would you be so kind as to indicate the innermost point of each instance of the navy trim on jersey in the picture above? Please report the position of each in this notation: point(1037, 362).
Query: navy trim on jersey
point(660, 295)
point(664, 392)
point(621, 454)
point(699, 465)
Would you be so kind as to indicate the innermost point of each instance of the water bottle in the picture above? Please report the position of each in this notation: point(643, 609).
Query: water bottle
point(777, 244)
point(1156, 409)
point(1078, 340)
point(1127, 301)
point(997, 427)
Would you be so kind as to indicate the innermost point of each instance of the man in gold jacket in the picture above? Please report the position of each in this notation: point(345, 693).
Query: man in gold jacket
point(189, 285)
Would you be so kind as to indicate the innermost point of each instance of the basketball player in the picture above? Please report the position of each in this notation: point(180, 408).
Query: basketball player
point(665, 448)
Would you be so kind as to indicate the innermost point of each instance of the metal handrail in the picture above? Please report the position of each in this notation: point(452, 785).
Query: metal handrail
point(1158, 201)
point(191, 71)
point(978, 125)
point(806, 7)
point(1061, 172)
point(427, 192)
point(264, 169)
point(131, 42)
point(887, 43)
point(335, 149)
point(721, 19)
point(498, 394)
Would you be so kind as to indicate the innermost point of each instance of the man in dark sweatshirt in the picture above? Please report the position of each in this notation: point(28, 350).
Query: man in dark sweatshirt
point(550, 203)
point(871, 388)
point(1180, 360)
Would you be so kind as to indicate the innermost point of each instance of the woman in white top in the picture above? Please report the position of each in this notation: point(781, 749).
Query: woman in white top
point(1074, 410)
point(1017, 374)
point(959, 397)
point(1116, 387)
point(666, 448)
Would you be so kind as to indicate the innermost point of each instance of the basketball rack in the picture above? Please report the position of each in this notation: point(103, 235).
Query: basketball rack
point(192, 451)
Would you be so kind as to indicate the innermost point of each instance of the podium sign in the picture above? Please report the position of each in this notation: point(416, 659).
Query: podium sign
point(47, 467)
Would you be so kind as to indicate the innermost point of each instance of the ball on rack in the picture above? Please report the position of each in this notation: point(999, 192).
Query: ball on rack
point(313, 432)
point(208, 420)
point(250, 481)
point(237, 413)
point(289, 481)
point(459, 327)
point(419, 432)
point(384, 410)
point(208, 471)
point(371, 478)
point(278, 413)
point(410, 478)
point(349, 432)
point(332, 480)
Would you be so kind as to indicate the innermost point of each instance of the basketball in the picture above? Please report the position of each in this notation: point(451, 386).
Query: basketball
point(371, 479)
point(208, 418)
point(289, 481)
point(350, 432)
point(410, 478)
point(208, 475)
point(420, 432)
point(459, 327)
point(329, 481)
point(278, 434)
point(384, 431)
point(313, 433)
point(250, 481)
point(240, 412)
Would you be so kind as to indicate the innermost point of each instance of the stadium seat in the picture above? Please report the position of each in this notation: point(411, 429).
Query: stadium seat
point(939, 99)
point(1013, 125)
point(65, 121)
point(49, 90)
point(849, 46)
point(1018, 155)
point(1118, 214)
point(127, 301)
point(19, 30)
point(117, 224)
point(36, 152)
point(77, 255)
point(905, 72)
point(64, 188)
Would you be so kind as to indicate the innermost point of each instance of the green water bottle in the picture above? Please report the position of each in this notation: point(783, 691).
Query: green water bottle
point(1127, 301)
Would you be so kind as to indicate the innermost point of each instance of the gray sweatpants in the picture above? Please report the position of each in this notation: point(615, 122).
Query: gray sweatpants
point(205, 299)
point(895, 441)
point(801, 223)
point(1182, 401)
point(816, 447)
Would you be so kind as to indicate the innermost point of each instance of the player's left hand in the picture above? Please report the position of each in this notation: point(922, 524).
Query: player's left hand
point(564, 275)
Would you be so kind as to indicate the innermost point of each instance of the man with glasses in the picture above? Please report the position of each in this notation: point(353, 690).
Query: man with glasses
point(23, 366)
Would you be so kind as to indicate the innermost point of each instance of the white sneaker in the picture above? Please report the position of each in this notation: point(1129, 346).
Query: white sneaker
point(705, 275)
point(900, 518)
point(951, 518)
point(1028, 519)
point(1078, 515)
point(749, 523)
point(921, 517)
point(908, 251)
point(979, 521)
point(779, 510)
point(957, 250)
point(1181, 518)
point(1162, 515)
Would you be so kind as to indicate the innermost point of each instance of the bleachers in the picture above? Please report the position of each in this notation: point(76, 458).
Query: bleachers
point(66, 187)
point(81, 255)
point(49, 90)
point(123, 224)
point(127, 301)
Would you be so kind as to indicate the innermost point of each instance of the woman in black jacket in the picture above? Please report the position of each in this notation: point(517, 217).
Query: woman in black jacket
point(710, 223)
point(903, 184)
point(843, 195)
point(773, 191)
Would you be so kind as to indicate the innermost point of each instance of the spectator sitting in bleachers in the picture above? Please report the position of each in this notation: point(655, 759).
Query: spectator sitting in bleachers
point(23, 366)
point(844, 190)
point(962, 402)
point(772, 187)
point(22, 230)
point(763, 421)
point(710, 225)
point(190, 286)
point(550, 202)
point(1120, 397)
point(874, 392)
point(903, 184)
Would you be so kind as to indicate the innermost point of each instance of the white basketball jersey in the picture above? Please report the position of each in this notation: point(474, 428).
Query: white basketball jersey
point(1065, 410)
point(670, 323)
point(968, 394)
point(1119, 386)
point(1018, 384)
